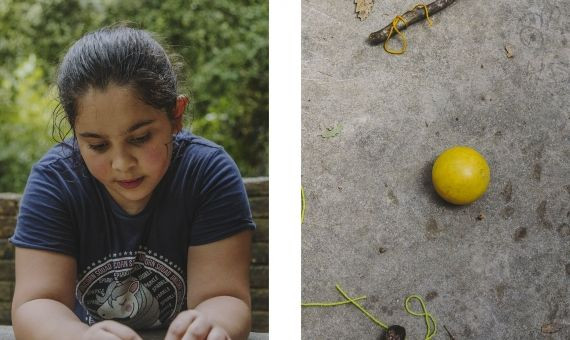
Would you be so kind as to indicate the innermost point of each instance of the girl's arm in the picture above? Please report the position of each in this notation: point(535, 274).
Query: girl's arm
point(43, 302)
point(218, 291)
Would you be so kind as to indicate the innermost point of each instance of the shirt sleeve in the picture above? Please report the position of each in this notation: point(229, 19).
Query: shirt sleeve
point(224, 207)
point(44, 219)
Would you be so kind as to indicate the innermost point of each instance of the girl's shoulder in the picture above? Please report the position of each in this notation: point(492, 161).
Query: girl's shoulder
point(195, 149)
point(63, 154)
point(61, 164)
point(187, 139)
point(201, 158)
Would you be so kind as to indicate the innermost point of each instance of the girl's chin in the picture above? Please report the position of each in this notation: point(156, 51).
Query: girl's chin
point(131, 200)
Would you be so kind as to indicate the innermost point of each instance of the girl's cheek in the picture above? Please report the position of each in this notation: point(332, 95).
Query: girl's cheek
point(98, 166)
point(157, 153)
point(101, 168)
point(156, 158)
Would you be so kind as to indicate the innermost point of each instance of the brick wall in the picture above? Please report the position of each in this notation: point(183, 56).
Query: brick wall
point(8, 213)
point(258, 191)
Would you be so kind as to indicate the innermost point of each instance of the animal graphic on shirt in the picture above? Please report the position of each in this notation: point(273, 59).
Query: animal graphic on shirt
point(131, 302)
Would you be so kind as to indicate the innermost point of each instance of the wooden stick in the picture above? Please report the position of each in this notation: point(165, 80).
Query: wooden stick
point(411, 17)
point(448, 333)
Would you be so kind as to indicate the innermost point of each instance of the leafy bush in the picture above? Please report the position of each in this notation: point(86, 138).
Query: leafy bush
point(23, 123)
point(224, 44)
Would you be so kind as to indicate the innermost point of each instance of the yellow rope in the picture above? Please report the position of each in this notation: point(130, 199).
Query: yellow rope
point(331, 304)
point(348, 300)
point(401, 34)
point(427, 13)
point(376, 321)
point(302, 204)
point(429, 319)
point(394, 27)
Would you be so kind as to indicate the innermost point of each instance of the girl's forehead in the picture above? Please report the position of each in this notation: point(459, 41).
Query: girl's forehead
point(113, 108)
point(111, 95)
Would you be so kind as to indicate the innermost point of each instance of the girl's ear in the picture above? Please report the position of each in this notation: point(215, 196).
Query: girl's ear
point(181, 104)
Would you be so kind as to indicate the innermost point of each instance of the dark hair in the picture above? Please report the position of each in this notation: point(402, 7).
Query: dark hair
point(118, 55)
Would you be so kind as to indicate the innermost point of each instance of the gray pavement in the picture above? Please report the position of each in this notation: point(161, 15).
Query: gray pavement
point(496, 269)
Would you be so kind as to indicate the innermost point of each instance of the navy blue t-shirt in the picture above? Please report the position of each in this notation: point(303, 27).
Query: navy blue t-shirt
point(132, 268)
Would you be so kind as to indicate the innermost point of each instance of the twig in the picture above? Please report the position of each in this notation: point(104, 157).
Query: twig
point(448, 333)
point(411, 17)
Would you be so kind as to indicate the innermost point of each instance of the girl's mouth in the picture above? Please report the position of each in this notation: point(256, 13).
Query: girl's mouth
point(131, 184)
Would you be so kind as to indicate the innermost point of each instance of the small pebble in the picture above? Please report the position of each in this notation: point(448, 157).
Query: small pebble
point(396, 332)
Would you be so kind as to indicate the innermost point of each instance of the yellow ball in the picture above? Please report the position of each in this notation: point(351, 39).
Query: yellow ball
point(460, 175)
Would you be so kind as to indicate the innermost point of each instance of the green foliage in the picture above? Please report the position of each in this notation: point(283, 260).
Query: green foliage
point(332, 131)
point(224, 45)
point(23, 123)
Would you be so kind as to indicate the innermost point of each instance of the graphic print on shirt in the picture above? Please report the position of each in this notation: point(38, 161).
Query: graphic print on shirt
point(139, 289)
point(126, 300)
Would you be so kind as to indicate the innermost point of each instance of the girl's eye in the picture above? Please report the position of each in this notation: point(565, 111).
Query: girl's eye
point(98, 147)
point(140, 140)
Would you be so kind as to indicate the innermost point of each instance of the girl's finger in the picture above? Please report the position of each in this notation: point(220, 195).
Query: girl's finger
point(121, 331)
point(218, 334)
point(198, 329)
point(179, 326)
point(102, 335)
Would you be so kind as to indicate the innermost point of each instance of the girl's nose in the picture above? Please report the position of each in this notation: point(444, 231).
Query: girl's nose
point(123, 161)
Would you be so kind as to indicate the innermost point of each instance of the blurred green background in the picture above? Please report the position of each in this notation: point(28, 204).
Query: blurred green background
point(224, 44)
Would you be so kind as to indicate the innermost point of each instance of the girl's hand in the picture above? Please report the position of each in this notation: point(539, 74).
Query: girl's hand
point(193, 325)
point(110, 330)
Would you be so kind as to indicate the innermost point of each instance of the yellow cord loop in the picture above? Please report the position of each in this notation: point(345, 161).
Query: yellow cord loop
point(427, 13)
point(394, 27)
point(429, 319)
point(302, 204)
point(401, 34)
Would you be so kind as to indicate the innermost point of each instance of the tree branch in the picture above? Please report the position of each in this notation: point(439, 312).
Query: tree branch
point(411, 17)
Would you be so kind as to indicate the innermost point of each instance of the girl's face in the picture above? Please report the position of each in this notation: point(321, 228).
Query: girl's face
point(125, 143)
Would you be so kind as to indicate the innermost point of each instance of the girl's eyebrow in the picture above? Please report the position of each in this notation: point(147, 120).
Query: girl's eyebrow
point(130, 129)
point(139, 125)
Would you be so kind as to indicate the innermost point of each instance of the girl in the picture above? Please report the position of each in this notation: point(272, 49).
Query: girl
point(133, 223)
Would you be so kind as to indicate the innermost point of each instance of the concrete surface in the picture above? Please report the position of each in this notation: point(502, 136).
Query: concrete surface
point(502, 276)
